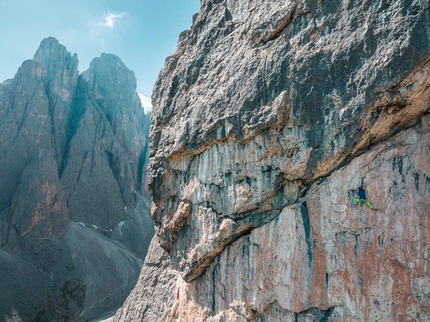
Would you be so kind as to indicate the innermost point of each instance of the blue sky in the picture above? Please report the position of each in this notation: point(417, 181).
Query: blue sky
point(141, 32)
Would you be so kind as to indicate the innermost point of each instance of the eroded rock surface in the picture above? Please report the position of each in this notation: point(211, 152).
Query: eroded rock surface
point(265, 120)
point(152, 303)
point(242, 124)
point(347, 262)
point(73, 202)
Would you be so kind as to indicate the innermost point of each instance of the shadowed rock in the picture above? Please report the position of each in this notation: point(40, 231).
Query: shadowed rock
point(73, 203)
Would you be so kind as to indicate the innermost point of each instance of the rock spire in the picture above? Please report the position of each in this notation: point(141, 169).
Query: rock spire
point(74, 210)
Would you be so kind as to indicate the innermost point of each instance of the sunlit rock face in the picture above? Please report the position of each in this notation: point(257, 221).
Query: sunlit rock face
point(323, 257)
point(266, 119)
point(73, 203)
point(260, 100)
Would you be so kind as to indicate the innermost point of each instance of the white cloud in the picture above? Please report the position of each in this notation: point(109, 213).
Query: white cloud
point(146, 102)
point(109, 19)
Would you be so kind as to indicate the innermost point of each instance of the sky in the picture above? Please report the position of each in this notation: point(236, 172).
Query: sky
point(140, 32)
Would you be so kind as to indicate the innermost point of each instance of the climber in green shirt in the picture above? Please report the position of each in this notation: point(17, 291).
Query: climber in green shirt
point(362, 198)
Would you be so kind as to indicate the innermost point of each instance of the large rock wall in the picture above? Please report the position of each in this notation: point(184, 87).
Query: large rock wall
point(266, 118)
point(73, 202)
point(325, 257)
point(261, 119)
point(321, 258)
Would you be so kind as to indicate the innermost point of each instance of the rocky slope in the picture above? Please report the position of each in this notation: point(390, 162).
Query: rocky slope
point(74, 210)
point(267, 117)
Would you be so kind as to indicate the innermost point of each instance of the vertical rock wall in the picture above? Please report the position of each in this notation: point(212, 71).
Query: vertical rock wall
point(266, 118)
point(323, 257)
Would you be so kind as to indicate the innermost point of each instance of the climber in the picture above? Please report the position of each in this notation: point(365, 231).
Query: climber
point(362, 197)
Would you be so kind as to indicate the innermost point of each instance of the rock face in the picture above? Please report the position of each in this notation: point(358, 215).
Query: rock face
point(151, 303)
point(73, 204)
point(266, 119)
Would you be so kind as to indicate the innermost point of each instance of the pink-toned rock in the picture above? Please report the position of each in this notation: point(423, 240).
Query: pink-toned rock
point(266, 118)
point(322, 258)
point(325, 257)
point(244, 122)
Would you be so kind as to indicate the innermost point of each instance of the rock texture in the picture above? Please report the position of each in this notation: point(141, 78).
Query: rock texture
point(152, 303)
point(324, 257)
point(266, 118)
point(73, 204)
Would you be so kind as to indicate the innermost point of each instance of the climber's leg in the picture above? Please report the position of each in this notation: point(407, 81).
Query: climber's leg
point(368, 204)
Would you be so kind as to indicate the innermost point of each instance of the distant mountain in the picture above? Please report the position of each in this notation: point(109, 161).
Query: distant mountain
point(74, 210)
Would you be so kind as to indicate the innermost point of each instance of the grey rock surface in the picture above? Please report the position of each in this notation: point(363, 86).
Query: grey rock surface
point(104, 272)
point(110, 131)
point(38, 215)
point(20, 277)
point(296, 87)
point(323, 257)
point(73, 202)
point(153, 296)
point(259, 103)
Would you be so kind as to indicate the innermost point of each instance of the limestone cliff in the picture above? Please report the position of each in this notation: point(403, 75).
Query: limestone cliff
point(267, 117)
point(74, 210)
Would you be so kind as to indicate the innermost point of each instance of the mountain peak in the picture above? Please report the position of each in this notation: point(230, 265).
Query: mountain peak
point(49, 48)
point(110, 73)
point(55, 58)
point(74, 168)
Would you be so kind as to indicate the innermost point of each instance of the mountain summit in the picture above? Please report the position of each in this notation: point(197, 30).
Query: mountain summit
point(74, 210)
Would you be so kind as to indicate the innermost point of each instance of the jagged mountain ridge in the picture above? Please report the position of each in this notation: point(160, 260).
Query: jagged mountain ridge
point(266, 119)
point(74, 207)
